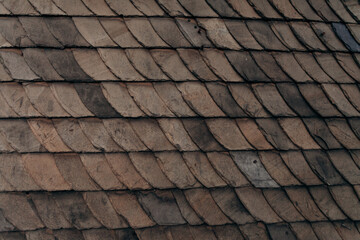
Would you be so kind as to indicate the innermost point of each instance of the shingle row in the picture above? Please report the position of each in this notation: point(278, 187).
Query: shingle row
point(185, 99)
point(320, 10)
point(166, 170)
point(62, 32)
point(167, 134)
point(338, 230)
point(144, 209)
point(209, 65)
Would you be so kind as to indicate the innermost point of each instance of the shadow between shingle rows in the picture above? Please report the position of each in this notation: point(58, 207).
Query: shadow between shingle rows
point(60, 32)
point(320, 10)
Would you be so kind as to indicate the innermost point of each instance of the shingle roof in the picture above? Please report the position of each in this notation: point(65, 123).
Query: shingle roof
point(179, 119)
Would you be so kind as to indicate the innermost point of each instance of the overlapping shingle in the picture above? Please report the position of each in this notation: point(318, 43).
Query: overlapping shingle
point(179, 119)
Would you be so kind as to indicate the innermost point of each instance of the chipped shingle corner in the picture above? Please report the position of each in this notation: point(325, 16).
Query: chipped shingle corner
point(179, 119)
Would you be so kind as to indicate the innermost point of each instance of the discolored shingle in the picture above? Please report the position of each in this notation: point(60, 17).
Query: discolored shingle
point(66, 65)
point(93, 98)
point(249, 163)
point(38, 32)
point(65, 31)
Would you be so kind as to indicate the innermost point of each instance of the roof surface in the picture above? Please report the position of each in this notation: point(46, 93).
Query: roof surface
point(179, 119)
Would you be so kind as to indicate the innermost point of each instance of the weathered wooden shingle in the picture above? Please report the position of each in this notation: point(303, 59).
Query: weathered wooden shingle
point(179, 119)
